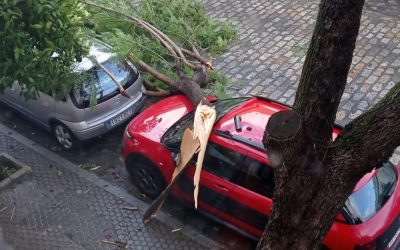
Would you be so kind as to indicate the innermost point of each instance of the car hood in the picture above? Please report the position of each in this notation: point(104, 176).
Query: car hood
point(153, 122)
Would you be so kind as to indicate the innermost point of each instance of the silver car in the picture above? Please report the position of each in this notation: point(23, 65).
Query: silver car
point(73, 119)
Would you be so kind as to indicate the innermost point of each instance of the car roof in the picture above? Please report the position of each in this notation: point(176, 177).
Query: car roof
point(254, 114)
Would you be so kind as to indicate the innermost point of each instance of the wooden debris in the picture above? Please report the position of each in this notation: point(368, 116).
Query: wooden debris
point(189, 147)
point(95, 168)
point(4, 208)
point(117, 243)
point(176, 230)
point(130, 208)
point(204, 119)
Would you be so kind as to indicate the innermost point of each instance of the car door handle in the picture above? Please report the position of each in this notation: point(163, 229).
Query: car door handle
point(221, 188)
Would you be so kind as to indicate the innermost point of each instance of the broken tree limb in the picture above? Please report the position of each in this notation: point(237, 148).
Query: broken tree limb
point(204, 119)
point(165, 79)
point(170, 45)
point(115, 80)
point(160, 93)
point(198, 57)
point(151, 90)
point(189, 147)
point(148, 85)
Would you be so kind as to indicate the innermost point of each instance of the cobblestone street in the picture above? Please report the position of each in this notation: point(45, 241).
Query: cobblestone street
point(60, 206)
point(267, 58)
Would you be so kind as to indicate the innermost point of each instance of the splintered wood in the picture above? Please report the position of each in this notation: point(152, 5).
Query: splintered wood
point(192, 142)
point(189, 146)
point(204, 120)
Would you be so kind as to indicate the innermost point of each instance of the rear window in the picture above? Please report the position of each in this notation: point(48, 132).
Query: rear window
point(100, 87)
point(368, 200)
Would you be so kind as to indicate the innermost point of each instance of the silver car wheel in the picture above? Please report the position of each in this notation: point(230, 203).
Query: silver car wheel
point(63, 136)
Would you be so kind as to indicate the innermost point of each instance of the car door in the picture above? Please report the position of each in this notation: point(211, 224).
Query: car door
point(11, 96)
point(219, 195)
point(216, 189)
point(256, 192)
point(40, 110)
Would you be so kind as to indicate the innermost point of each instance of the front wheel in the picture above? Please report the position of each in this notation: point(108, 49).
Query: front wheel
point(65, 137)
point(147, 178)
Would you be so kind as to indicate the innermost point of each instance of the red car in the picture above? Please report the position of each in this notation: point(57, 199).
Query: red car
point(237, 182)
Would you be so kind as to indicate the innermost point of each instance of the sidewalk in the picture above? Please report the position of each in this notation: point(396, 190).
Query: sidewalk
point(61, 206)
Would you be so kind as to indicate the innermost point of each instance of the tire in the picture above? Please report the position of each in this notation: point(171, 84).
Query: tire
point(65, 138)
point(146, 177)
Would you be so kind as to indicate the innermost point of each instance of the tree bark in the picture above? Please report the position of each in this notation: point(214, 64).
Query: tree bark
point(307, 197)
point(369, 140)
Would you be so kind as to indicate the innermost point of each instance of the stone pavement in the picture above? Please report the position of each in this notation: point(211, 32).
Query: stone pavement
point(268, 56)
point(61, 206)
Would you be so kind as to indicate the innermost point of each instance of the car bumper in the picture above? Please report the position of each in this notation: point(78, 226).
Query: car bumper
point(84, 131)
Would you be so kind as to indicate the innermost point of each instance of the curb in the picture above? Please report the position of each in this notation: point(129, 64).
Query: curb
point(163, 217)
point(24, 169)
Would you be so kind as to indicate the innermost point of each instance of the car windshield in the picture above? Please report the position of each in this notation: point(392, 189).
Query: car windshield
point(368, 200)
point(173, 136)
point(101, 84)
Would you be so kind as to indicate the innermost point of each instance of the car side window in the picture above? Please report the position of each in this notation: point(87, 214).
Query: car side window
point(239, 169)
point(224, 163)
point(260, 178)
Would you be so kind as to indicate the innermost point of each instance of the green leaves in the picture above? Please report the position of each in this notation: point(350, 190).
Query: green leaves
point(184, 21)
point(30, 33)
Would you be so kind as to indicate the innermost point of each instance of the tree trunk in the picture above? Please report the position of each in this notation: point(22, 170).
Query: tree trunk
point(308, 196)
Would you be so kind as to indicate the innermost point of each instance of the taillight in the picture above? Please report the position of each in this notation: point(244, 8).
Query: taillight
point(368, 246)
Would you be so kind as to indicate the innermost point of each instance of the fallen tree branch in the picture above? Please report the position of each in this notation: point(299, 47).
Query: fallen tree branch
point(162, 93)
point(148, 85)
point(151, 90)
point(170, 45)
point(115, 80)
point(198, 57)
point(165, 79)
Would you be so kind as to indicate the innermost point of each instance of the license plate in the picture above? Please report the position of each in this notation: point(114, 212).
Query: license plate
point(119, 118)
point(393, 240)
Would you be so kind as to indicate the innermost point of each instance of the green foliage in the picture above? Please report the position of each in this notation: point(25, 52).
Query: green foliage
point(6, 171)
point(31, 31)
point(184, 21)
point(219, 82)
point(299, 49)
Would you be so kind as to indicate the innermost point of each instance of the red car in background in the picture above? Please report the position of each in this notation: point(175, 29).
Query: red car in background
point(237, 183)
